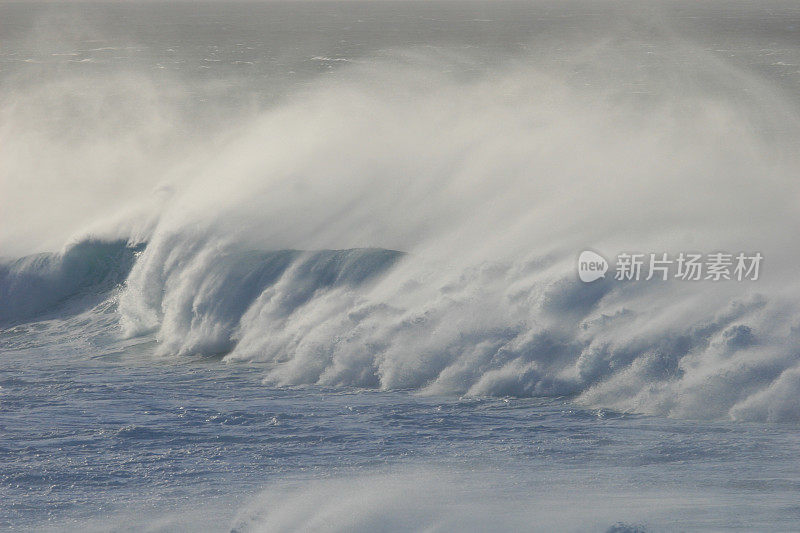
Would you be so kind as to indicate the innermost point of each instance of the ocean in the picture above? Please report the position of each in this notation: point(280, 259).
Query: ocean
point(317, 266)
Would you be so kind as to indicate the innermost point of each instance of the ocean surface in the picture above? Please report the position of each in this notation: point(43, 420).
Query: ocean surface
point(311, 266)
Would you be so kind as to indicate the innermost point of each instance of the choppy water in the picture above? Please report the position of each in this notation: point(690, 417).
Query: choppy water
point(311, 266)
point(118, 440)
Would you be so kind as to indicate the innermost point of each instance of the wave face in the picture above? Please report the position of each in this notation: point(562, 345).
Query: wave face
point(490, 177)
point(67, 282)
point(201, 295)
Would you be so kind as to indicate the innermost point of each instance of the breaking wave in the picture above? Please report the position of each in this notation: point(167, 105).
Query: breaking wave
point(490, 185)
point(376, 318)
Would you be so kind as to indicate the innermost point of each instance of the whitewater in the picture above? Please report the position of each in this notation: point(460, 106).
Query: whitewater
point(293, 266)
